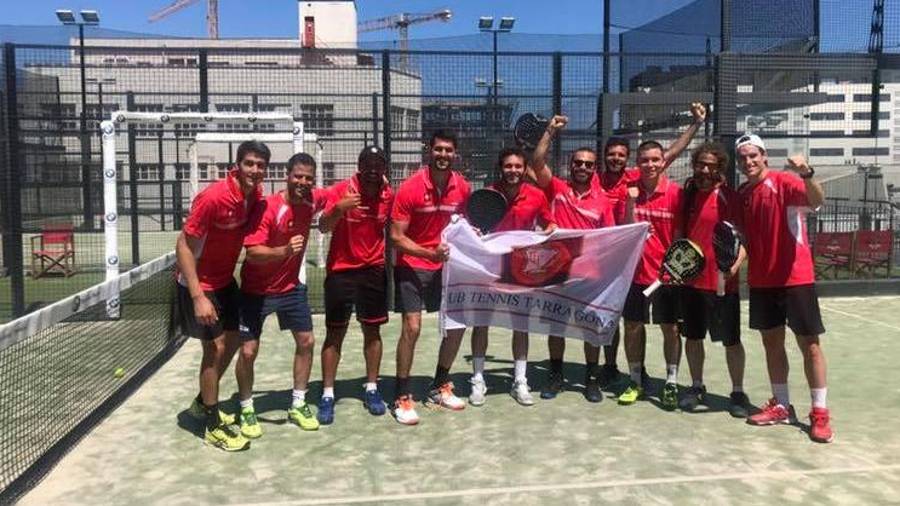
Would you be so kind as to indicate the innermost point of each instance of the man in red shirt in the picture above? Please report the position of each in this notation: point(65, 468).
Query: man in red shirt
point(708, 201)
point(424, 203)
point(575, 204)
point(207, 250)
point(356, 215)
point(270, 284)
point(658, 201)
point(614, 179)
point(527, 209)
point(782, 279)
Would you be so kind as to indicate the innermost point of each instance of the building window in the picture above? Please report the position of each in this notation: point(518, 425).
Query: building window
point(867, 97)
point(270, 127)
point(276, 171)
point(829, 116)
point(202, 172)
point(871, 151)
point(186, 129)
point(233, 126)
point(148, 129)
point(777, 152)
point(182, 171)
point(412, 120)
point(868, 115)
point(318, 119)
point(826, 133)
point(826, 152)
point(329, 173)
point(183, 62)
point(222, 170)
point(868, 133)
point(834, 98)
point(146, 172)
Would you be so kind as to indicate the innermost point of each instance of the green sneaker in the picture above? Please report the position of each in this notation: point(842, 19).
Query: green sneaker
point(226, 438)
point(303, 416)
point(250, 427)
point(670, 397)
point(631, 394)
point(198, 413)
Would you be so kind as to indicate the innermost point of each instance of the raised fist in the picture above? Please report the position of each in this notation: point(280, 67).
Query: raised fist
point(798, 164)
point(557, 122)
point(698, 111)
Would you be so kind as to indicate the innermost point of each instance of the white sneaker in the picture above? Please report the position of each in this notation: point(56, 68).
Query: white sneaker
point(405, 410)
point(444, 397)
point(479, 389)
point(521, 393)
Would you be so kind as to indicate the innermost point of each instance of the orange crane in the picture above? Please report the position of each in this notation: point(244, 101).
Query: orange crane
point(212, 14)
point(401, 23)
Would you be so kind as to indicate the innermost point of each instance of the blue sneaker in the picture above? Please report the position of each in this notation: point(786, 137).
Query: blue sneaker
point(325, 413)
point(374, 403)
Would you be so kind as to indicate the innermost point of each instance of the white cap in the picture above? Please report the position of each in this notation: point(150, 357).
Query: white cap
point(751, 139)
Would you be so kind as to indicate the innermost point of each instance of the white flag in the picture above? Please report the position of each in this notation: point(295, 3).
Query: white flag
point(572, 283)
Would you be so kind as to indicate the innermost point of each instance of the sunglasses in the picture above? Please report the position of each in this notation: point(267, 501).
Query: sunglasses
point(588, 164)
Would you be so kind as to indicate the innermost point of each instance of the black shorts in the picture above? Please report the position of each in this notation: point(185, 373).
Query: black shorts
point(292, 308)
point(796, 305)
point(226, 300)
point(664, 301)
point(416, 289)
point(364, 288)
point(703, 311)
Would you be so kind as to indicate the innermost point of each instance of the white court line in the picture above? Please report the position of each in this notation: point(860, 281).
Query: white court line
point(858, 317)
point(779, 475)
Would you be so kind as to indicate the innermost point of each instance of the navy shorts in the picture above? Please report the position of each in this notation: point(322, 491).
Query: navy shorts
point(664, 302)
point(364, 289)
point(292, 308)
point(226, 300)
point(704, 311)
point(796, 305)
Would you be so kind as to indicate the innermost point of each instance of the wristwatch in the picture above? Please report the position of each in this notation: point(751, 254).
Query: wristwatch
point(810, 174)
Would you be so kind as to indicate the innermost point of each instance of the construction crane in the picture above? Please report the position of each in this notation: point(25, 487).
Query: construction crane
point(212, 14)
point(401, 22)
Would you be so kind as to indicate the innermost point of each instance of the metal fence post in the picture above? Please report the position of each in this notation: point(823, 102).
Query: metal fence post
point(386, 101)
point(204, 80)
point(724, 112)
point(12, 190)
point(557, 103)
point(86, 193)
point(132, 186)
point(375, 118)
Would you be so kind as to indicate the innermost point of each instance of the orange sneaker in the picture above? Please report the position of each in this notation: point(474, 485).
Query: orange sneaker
point(772, 413)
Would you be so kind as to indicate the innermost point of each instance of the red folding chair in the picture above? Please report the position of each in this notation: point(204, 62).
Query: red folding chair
point(873, 251)
point(833, 251)
point(53, 251)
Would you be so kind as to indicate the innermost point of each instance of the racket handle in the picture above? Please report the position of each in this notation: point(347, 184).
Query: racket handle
point(720, 286)
point(652, 288)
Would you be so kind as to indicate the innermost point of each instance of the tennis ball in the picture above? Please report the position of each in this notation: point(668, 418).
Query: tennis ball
point(119, 372)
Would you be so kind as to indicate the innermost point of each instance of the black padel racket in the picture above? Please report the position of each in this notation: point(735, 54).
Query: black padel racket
point(684, 261)
point(485, 209)
point(529, 129)
point(726, 244)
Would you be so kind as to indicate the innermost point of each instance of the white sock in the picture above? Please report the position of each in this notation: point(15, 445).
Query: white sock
point(326, 392)
point(737, 388)
point(782, 396)
point(299, 398)
point(818, 397)
point(478, 368)
point(671, 373)
point(371, 386)
point(521, 366)
point(697, 383)
point(247, 403)
point(635, 371)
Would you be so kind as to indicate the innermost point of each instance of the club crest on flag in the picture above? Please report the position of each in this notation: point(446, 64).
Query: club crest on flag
point(541, 264)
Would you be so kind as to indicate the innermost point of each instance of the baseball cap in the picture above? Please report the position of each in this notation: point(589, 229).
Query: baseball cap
point(751, 139)
point(372, 154)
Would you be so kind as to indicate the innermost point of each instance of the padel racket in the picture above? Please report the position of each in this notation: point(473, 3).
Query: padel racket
point(485, 209)
point(684, 261)
point(726, 243)
point(529, 129)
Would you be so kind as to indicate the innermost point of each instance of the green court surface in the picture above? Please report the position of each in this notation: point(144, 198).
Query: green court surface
point(564, 451)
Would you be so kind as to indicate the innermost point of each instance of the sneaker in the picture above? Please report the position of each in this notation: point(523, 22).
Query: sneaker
point(631, 394)
point(250, 427)
point(608, 375)
point(772, 413)
point(669, 396)
point(479, 389)
point(521, 393)
point(198, 413)
point(405, 410)
point(592, 389)
point(820, 426)
point(693, 397)
point(553, 387)
point(739, 407)
point(303, 417)
point(325, 414)
point(443, 396)
point(373, 402)
point(227, 438)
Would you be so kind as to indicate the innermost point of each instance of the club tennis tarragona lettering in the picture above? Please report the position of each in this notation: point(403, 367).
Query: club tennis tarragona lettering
point(572, 283)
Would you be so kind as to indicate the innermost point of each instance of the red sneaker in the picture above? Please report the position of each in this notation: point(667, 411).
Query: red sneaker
point(772, 413)
point(820, 426)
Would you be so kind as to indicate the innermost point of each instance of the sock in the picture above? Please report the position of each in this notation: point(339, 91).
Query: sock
point(246, 403)
point(697, 383)
point(478, 368)
point(818, 397)
point(328, 392)
point(671, 373)
point(212, 416)
point(371, 386)
point(737, 388)
point(520, 367)
point(402, 387)
point(780, 391)
point(441, 375)
point(556, 364)
point(591, 369)
point(635, 370)
point(298, 398)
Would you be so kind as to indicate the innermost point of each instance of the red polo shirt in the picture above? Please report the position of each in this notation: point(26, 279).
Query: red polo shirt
point(707, 209)
point(358, 237)
point(662, 210)
point(615, 185)
point(273, 225)
point(218, 218)
point(528, 209)
point(775, 212)
point(574, 210)
point(427, 211)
